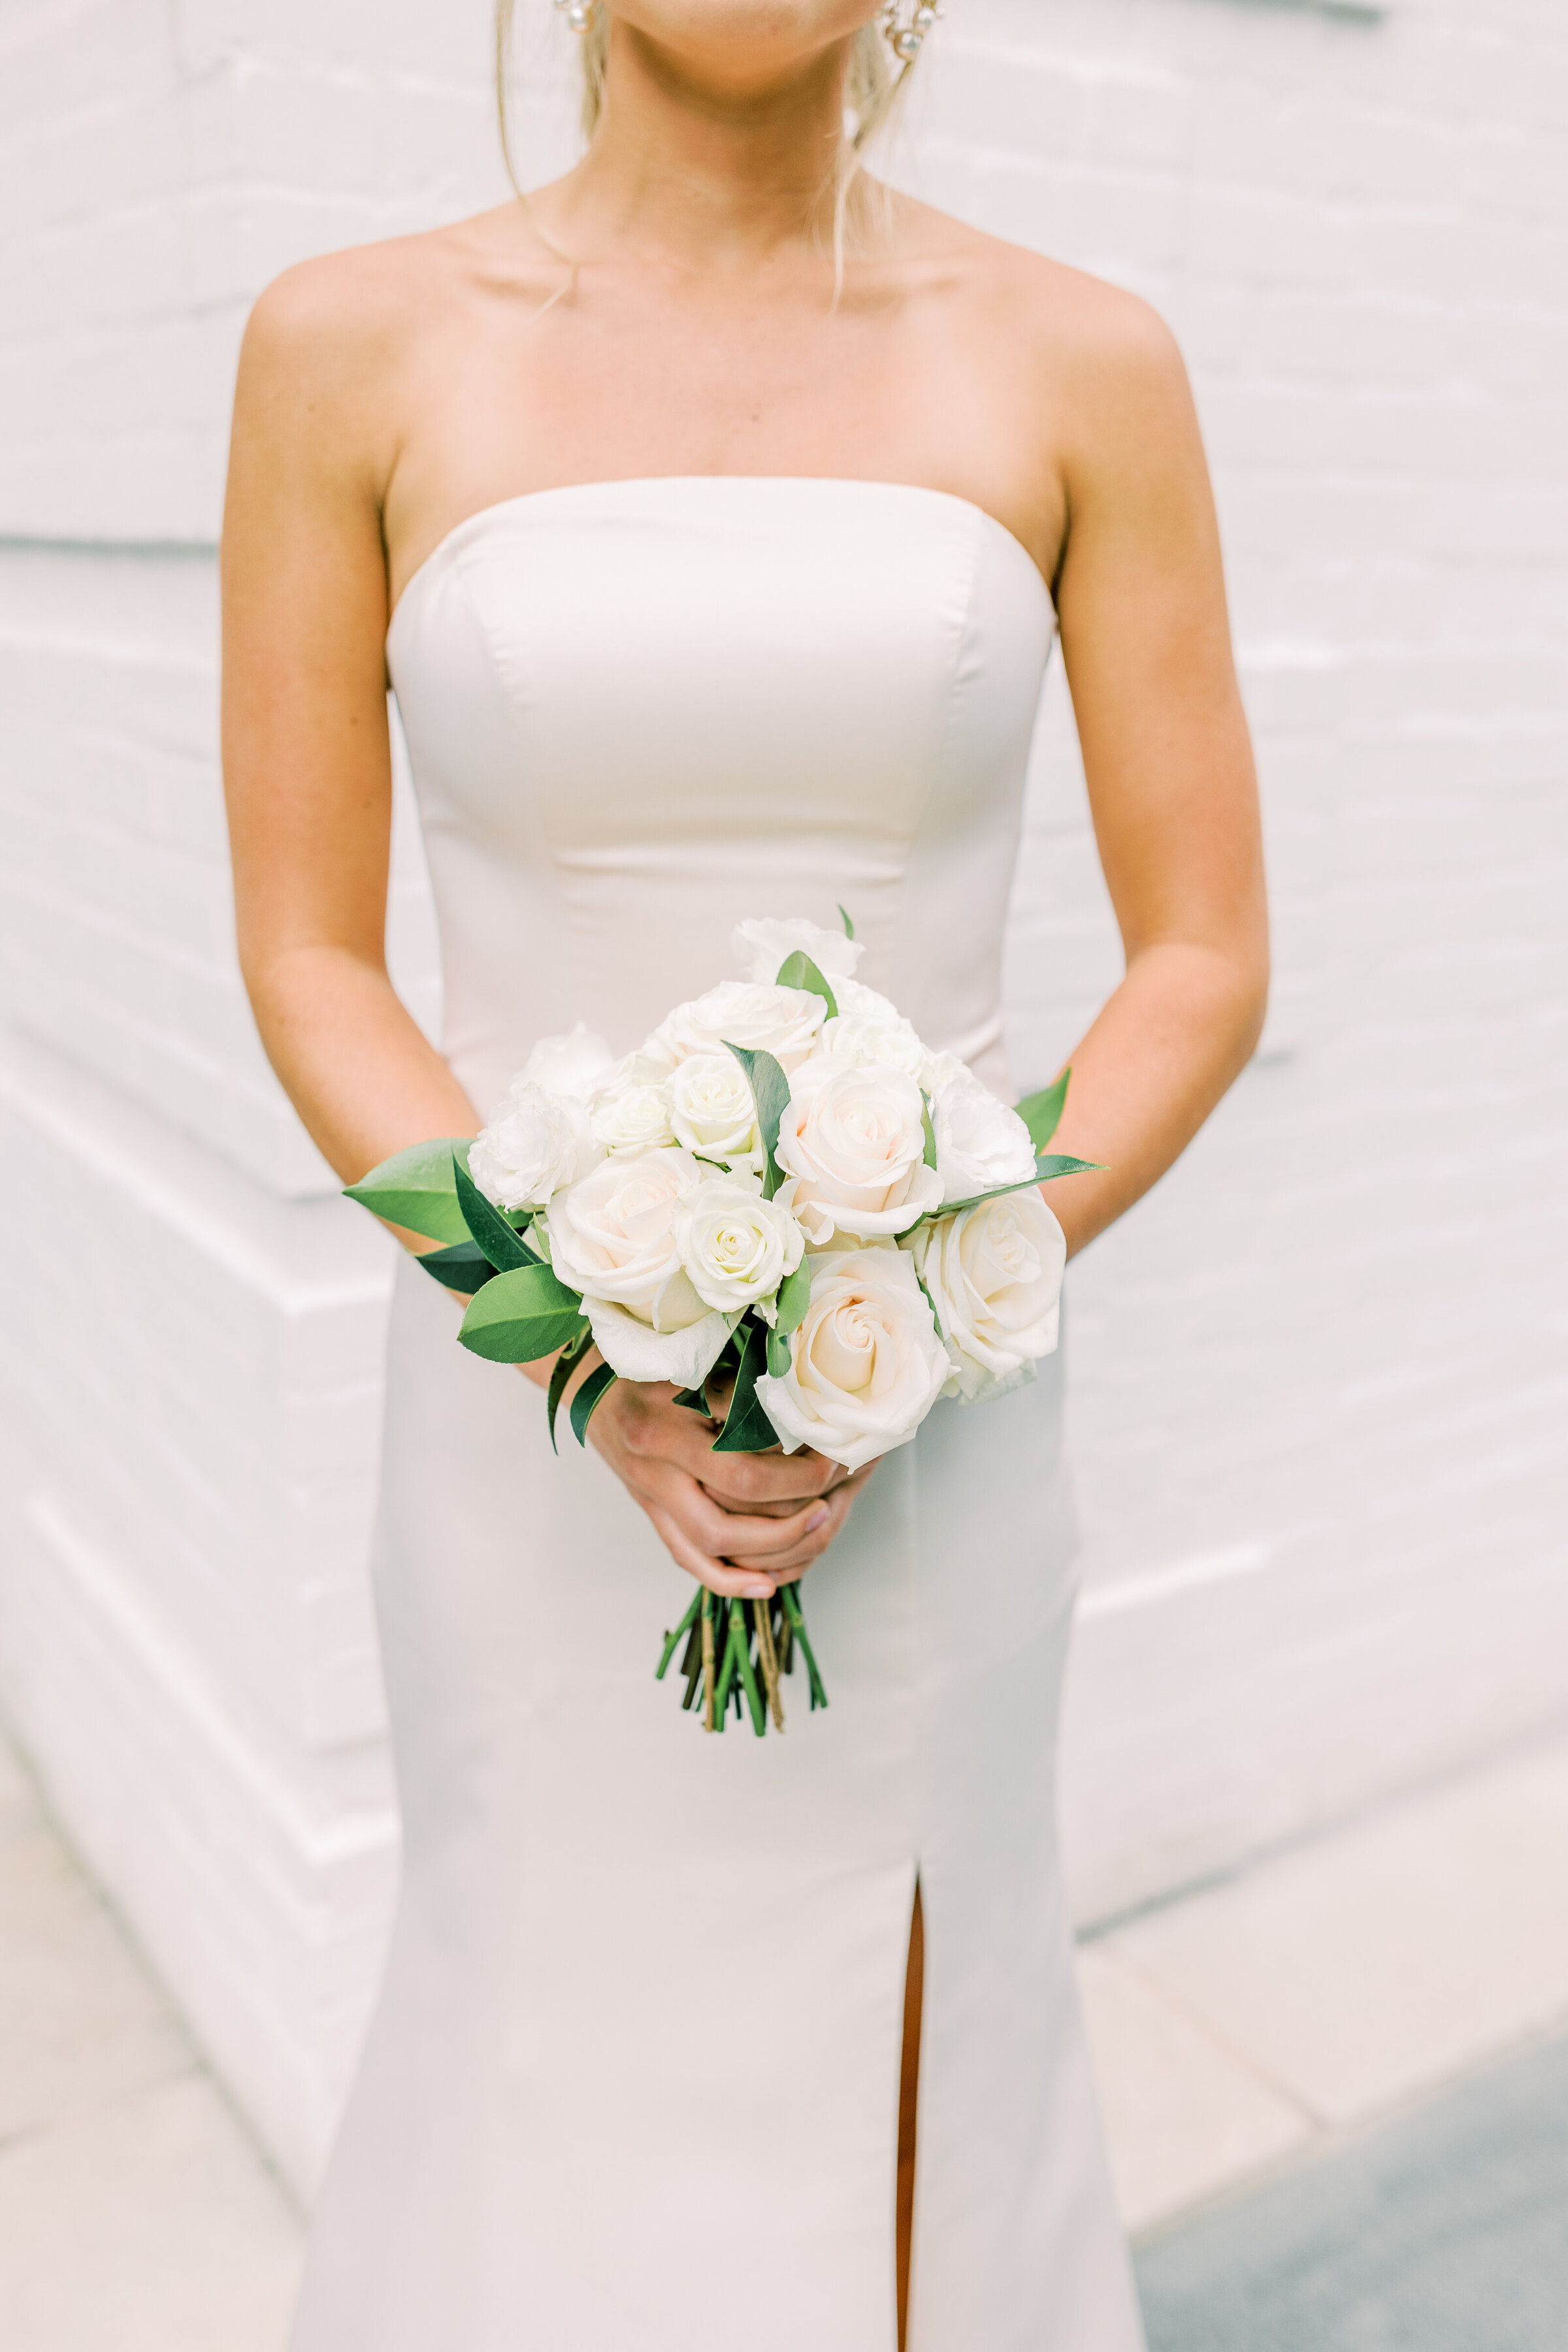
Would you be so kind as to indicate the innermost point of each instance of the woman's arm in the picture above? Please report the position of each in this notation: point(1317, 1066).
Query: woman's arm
point(306, 762)
point(307, 771)
point(1146, 641)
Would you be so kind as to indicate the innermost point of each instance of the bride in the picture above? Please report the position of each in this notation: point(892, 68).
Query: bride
point(711, 513)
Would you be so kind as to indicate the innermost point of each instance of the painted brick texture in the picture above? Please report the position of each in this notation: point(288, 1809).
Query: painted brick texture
point(1317, 1379)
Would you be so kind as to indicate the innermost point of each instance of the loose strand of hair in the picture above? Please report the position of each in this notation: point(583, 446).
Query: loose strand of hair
point(505, 14)
point(872, 88)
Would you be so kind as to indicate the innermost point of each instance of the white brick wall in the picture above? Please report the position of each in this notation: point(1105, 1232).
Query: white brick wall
point(1315, 1392)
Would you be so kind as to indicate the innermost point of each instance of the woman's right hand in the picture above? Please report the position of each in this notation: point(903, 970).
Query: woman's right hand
point(742, 1524)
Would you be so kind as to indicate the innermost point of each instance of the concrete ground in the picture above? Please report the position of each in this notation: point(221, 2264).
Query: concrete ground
point(1444, 2231)
point(1306, 2127)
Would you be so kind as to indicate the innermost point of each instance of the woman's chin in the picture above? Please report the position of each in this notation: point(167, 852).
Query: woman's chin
point(745, 40)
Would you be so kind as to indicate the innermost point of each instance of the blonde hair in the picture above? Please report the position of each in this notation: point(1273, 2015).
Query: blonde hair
point(870, 91)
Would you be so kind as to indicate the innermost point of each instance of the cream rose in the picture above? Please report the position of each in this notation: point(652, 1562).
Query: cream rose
point(981, 1144)
point(612, 1238)
point(711, 1110)
point(736, 1247)
point(857, 1039)
point(631, 1116)
point(858, 1002)
point(573, 1064)
point(940, 1070)
point(647, 1065)
point(866, 1364)
point(995, 1276)
point(762, 946)
point(536, 1144)
point(853, 1143)
point(853, 997)
point(783, 1022)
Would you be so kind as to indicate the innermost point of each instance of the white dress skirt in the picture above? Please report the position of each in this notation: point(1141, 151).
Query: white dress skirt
point(633, 2082)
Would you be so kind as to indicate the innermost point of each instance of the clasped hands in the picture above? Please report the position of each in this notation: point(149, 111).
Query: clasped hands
point(742, 1524)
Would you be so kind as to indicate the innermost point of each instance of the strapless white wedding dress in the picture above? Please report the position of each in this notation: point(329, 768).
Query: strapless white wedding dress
point(633, 2083)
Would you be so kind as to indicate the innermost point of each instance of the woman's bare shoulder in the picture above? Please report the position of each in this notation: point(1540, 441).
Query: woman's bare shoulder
point(337, 347)
point(368, 302)
point(1080, 331)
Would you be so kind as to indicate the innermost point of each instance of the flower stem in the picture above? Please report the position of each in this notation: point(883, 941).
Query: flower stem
point(691, 1667)
point(672, 1641)
point(797, 1626)
point(726, 1672)
point(709, 1722)
point(767, 1658)
point(741, 1638)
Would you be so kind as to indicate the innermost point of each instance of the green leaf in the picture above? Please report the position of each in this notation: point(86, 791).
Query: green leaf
point(1042, 1113)
point(797, 970)
point(522, 1315)
point(415, 1188)
point(795, 1297)
point(844, 917)
point(1061, 1163)
point(780, 1356)
point(747, 1429)
point(726, 1363)
point(1047, 1165)
point(463, 1268)
point(936, 1319)
point(693, 1400)
point(769, 1093)
point(561, 1371)
point(600, 1380)
point(930, 1129)
point(505, 1249)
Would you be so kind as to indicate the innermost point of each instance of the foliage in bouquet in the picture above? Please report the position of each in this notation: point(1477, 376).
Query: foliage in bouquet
point(784, 1203)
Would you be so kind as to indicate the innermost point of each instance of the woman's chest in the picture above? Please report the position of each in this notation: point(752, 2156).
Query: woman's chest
point(643, 394)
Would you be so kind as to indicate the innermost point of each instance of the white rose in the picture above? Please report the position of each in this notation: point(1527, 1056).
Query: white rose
point(941, 1070)
point(995, 1276)
point(648, 1065)
point(711, 1110)
point(736, 1247)
point(981, 1144)
point(853, 1143)
point(783, 1022)
point(572, 1064)
point(638, 1352)
point(857, 1002)
point(762, 946)
point(534, 1145)
point(857, 1039)
point(611, 1237)
point(631, 1118)
point(863, 1003)
point(866, 1364)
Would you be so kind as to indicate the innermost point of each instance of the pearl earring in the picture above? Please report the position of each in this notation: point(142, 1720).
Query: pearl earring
point(904, 33)
point(579, 14)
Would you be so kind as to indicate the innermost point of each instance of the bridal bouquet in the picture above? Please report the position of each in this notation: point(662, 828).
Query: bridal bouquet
point(784, 1203)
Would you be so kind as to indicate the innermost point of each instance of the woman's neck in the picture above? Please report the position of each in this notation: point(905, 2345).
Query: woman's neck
point(709, 171)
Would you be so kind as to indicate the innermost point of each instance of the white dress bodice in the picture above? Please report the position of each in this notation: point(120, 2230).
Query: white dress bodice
point(638, 710)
